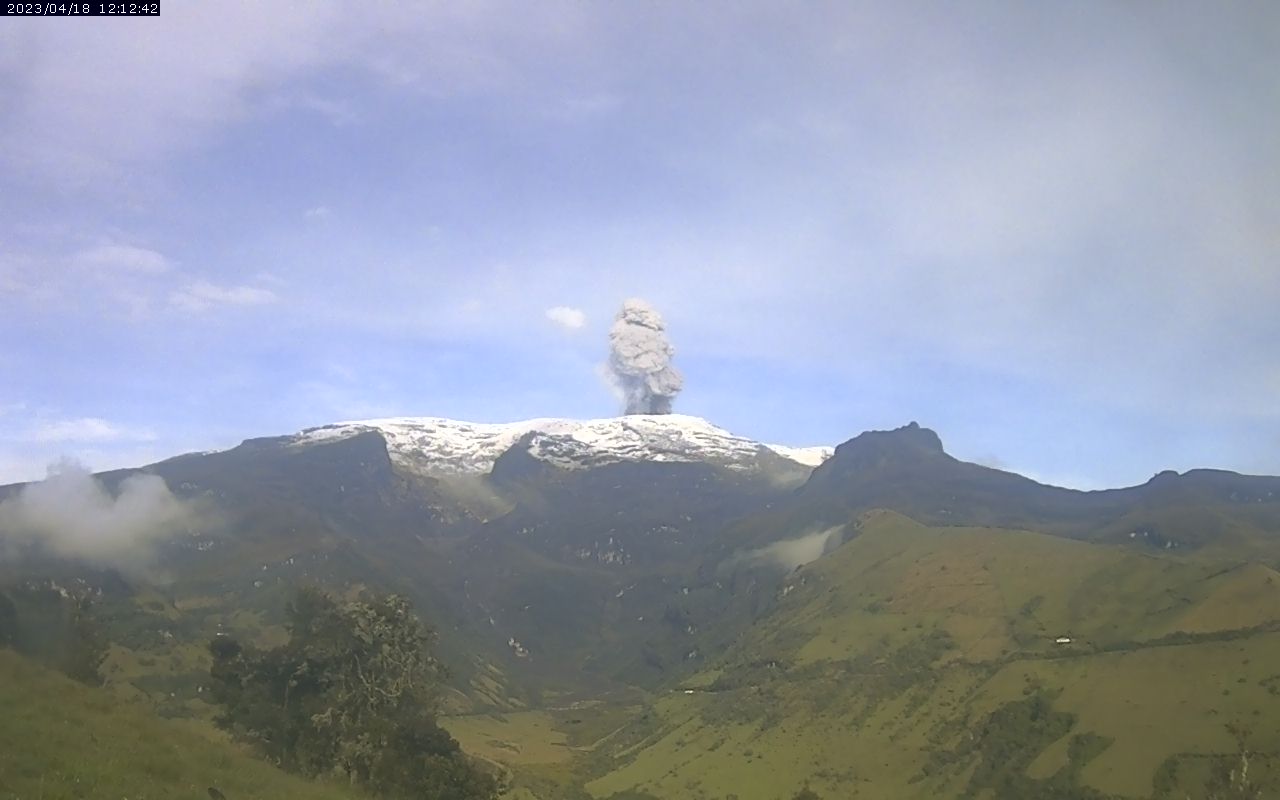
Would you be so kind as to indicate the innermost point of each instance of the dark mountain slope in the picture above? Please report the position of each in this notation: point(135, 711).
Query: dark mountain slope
point(348, 483)
point(907, 470)
point(626, 513)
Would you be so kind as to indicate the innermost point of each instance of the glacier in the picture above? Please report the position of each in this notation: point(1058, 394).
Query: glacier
point(439, 446)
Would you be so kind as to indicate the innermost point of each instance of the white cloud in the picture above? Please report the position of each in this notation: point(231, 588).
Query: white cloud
point(86, 429)
point(119, 281)
point(73, 513)
point(792, 553)
point(25, 277)
point(210, 67)
point(571, 319)
point(337, 112)
point(145, 96)
point(318, 212)
point(123, 257)
point(202, 296)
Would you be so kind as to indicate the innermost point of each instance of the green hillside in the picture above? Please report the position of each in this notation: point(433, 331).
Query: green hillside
point(60, 739)
point(920, 662)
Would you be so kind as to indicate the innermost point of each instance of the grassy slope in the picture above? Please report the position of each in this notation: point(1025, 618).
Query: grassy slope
point(886, 656)
point(526, 737)
point(547, 753)
point(59, 739)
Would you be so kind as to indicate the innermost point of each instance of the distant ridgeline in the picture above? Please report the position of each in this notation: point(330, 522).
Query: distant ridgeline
point(689, 608)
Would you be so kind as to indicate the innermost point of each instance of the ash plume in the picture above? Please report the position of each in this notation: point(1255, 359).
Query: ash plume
point(640, 360)
point(71, 513)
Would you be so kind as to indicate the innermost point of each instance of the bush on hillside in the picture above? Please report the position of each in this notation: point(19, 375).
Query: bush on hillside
point(56, 628)
point(354, 692)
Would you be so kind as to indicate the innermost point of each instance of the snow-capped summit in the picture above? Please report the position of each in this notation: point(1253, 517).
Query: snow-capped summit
point(436, 446)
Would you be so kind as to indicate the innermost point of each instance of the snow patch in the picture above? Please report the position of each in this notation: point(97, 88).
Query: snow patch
point(809, 456)
point(434, 445)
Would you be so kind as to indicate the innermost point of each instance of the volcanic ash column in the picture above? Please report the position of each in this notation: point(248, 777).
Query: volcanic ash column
point(640, 360)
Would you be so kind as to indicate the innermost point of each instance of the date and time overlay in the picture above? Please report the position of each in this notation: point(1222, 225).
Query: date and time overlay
point(92, 9)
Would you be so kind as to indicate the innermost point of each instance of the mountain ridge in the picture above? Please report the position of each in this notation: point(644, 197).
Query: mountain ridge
point(625, 559)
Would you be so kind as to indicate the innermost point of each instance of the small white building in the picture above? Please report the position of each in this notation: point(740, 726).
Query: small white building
point(1063, 640)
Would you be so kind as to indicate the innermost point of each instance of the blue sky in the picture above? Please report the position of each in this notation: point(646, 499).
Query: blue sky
point(1049, 231)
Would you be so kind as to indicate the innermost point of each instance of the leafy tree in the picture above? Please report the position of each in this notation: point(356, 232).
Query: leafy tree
point(806, 793)
point(353, 691)
point(56, 628)
point(86, 647)
point(8, 621)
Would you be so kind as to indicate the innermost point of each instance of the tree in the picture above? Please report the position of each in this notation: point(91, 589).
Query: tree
point(54, 627)
point(8, 621)
point(86, 647)
point(353, 691)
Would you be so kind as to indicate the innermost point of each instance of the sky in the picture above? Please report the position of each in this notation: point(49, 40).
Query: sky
point(1049, 231)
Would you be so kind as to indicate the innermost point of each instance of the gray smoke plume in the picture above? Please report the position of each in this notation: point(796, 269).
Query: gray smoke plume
point(71, 513)
point(640, 360)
